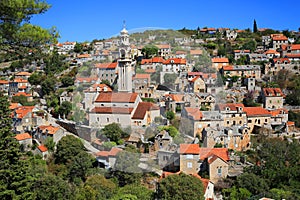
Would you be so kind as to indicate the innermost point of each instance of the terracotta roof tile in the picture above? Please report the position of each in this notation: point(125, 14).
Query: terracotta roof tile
point(51, 129)
point(196, 52)
point(290, 55)
point(14, 106)
point(113, 152)
point(295, 47)
point(228, 68)
point(256, 111)
point(231, 106)
point(142, 109)
point(23, 136)
point(117, 97)
point(220, 60)
point(142, 76)
point(194, 112)
point(219, 152)
point(106, 65)
point(84, 56)
point(100, 87)
point(189, 149)
point(4, 82)
point(42, 148)
point(22, 94)
point(22, 111)
point(275, 92)
point(23, 74)
point(163, 46)
point(175, 61)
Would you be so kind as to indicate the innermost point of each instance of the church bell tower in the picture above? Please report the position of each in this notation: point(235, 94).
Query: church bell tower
point(125, 63)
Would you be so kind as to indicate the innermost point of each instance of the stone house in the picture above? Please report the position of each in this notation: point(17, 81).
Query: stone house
point(107, 159)
point(91, 94)
point(145, 114)
point(174, 65)
point(189, 158)
point(257, 117)
point(196, 85)
point(142, 84)
point(218, 63)
point(248, 71)
point(239, 53)
point(272, 98)
point(107, 71)
point(22, 118)
point(233, 114)
point(164, 50)
point(43, 151)
point(25, 140)
point(277, 40)
point(44, 131)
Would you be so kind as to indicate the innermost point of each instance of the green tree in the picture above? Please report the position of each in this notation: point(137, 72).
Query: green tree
point(52, 187)
point(235, 193)
point(48, 85)
point(68, 147)
point(65, 108)
point(36, 78)
point(180, 186)
point(113, 131)
point(253, 183)
point(139, 191)
point(50, 144)
point(78, 48)
point(149, 50)
point(254, 27)
point(67, 81)
point(170, 115)
point(17, 35)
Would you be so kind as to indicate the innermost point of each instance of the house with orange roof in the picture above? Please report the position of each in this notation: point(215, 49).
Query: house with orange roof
point(42, 150)
point(194, 159)
point(180, 54)
point(4, 86)
point(272, 98)
point(22, 118)
point(92, 92)
point(219, 62)
point(107, 159)
point(83, 58)
point(200, 100)
point(238, 53)
point(233, 114)
point(174, 102)
point(196, 53)
point(164, 50)
point(18, 85)
point(278, 64)
point(277, 40)
point(23, 75)
point(271, 53)
point(257, 117)
point(28, 96)
point(248, 71)
point(25, 140)
point(145, 113)
point(113, 107)
point(279, 118)
point(107, 71)
point(44, 131)
point(152, 63)
point(196, 85)
point(174, 65)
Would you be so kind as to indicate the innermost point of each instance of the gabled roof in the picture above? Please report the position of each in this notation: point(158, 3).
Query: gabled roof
point(228, 68)
point(116, 97)
point(112, 110)
point(176, 97)
point(271, 51)
point(85, 79)
point(295, 47)
point(22, 94)
point(99, 87)
point(189, 149)
point(196, 52)
point(231, 106)
point(20, 80)
point(42, 148)
point(163, 46)
point(194, 79)
point(22, 111)
point(273, 92)
point(4, 82)
point(13, 106)
point(142, 76)
point(194, 112)
point(113, 152)
point(291, 55)
point(220, 60)
point(23, 74)
point(180, 52)
point(51, 129)
point(84, 56)
point(175, 61)
point(208, 152)
point(142, 109)
point(279, 111)
point(256, 111)
point(23, 136)
point(281, 60)
point(106, 65)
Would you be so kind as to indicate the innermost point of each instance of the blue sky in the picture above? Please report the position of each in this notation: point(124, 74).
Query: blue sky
point(85, 20)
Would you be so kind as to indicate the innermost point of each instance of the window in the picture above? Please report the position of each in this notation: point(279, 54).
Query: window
point(189, 165)
point(98, 119)
point(118, 120)
point(220, 171)
point(107, 119)
point(189, 156)
point(227, 122)
point(266, 120)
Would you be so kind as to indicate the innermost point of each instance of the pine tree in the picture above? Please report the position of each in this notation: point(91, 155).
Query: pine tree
point(254, 27)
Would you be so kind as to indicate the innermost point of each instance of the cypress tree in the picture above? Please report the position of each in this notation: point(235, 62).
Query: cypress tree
point(254, 27)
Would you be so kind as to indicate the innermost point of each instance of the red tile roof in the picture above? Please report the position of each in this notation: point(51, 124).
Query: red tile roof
point(281, 60)
point(23, 94)
point(20, 80)
point(163, 46)
point(23, 136)
point(42, 148)
point(158, 60)
point(84, 56)
point(113, 152)
point(243, 51)
point(111, 110)
point(189, 149)
point(22, 111)
point(106, 65)
point(150, 71)
point(273, 92)
point(295, 47)
point(194, 112)
point(290, 123)
point(180, 52)
point(142, 76)
point(279, 111)
point(146, 61)
point(231, 106)
point(101, 87)
point(51, 129)
point(220, 60)
point(4, 82)
point(271, 51)
point(175, 61)
point(117, 97)
point(85, 79)
point(196, 52)
point(228, 68)
point(195, 78)
point(256, 111)
point(176, 97)
point(23, 74)
point(142, 109)
point(293, 55)
point(219, 152)
point(14, 106)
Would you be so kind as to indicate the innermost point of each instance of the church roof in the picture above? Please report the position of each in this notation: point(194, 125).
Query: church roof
point(116, 97)
point(111, 110)
point(142, 109)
